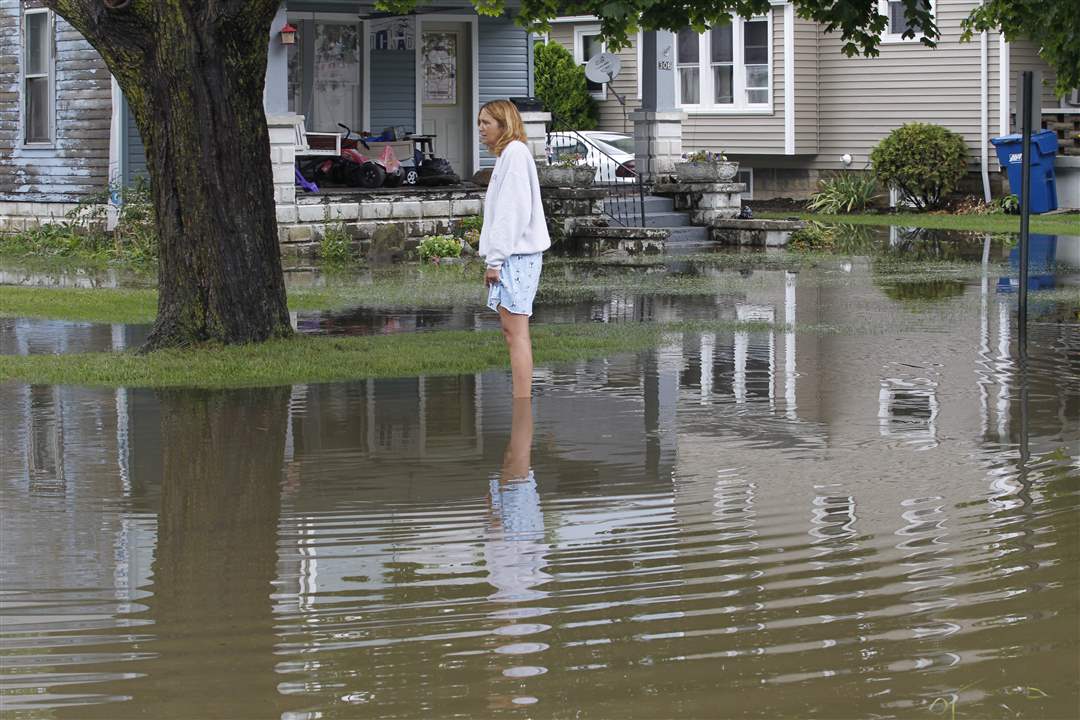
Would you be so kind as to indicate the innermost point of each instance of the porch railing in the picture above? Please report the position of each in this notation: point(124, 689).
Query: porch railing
point(624, 193)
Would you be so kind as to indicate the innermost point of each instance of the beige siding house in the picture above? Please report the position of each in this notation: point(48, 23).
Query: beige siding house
point(795, 113)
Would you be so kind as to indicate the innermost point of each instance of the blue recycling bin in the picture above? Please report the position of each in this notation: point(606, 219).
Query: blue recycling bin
point(1044, 147)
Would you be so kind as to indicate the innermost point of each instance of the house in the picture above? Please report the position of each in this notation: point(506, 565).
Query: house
point(66, 134)
point(776, 93)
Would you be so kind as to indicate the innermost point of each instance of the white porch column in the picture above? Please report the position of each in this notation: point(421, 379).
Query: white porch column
point(276, 89)
point(279, 121)
point(283, 157)
point(536, 129)
point(657, 142)
point(116, 156)
point(658, 124)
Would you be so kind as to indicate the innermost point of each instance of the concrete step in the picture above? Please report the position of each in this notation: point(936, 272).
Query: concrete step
point(688, 235)
point(667, 219)
point(655, 203)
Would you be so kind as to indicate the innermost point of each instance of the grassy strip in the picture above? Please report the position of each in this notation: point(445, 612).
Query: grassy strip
point(418, 289)
point(306, 359)
point(1048, 225)
point(129, 306)
point(135, 306)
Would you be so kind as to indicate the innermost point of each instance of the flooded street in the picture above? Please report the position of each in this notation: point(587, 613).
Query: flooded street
point(868, 509)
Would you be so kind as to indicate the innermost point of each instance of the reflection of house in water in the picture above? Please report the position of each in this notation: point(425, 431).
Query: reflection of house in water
point(67, 448)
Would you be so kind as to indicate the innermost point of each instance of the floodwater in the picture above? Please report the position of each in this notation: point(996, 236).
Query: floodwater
point(762, 523)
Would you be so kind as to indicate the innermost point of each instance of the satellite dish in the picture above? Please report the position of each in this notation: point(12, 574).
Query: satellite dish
point(603, 68)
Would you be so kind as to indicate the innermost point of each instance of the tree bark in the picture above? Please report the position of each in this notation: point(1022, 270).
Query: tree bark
point(193, 73)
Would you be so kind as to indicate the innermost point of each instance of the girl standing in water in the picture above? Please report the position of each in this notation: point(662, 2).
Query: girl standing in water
point(514, 235)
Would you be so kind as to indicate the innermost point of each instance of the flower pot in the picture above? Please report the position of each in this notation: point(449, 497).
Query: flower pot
point(706, 171)
point(577, 176)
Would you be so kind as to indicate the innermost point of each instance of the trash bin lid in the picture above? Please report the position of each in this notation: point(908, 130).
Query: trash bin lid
point(1045, 140)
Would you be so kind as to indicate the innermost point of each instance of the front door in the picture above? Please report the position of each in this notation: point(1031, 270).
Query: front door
point(446, 87)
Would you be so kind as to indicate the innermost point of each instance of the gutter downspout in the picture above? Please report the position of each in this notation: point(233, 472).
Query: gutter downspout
point(984, 116)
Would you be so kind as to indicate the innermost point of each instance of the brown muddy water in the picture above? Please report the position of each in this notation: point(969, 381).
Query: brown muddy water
point(741, 524)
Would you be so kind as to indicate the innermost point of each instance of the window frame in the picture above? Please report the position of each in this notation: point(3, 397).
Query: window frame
point(893, 38)
point(580, 32)
point(50, 73)
point(706, 87)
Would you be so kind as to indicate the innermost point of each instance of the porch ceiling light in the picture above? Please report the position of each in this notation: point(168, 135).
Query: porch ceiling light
point(288, 35)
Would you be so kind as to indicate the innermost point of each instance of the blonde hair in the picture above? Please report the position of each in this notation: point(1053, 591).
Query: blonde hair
point(506, 114)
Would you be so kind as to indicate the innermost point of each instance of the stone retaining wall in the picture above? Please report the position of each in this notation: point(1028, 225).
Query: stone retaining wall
point(419, 212)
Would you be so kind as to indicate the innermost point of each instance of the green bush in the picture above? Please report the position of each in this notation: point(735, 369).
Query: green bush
point(439, 246)
point(814, 236)
point(561, 87)
point(335, 245)
point(1008, 204)
point(924, 162)
point(468, 229)
point(844, 192)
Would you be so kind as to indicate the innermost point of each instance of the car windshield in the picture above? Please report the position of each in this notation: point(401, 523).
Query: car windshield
point(625, 144)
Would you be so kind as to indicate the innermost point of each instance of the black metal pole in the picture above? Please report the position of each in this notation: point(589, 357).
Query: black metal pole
point(1025, 211)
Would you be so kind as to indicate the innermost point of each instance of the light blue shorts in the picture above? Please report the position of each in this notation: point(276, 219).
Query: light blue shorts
point(518, 279)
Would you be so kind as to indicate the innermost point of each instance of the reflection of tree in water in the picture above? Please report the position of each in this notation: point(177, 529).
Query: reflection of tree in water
point(213, 630)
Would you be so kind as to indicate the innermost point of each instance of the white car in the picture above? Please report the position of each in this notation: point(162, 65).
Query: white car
point(611, 154)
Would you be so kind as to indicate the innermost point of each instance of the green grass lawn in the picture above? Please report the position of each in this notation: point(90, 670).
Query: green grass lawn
point(1048, 225)
point(307, 359)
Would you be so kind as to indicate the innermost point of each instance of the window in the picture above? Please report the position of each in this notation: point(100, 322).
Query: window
point(897, 23)
point(587, 45)
point(727, 67)
point(37, 67)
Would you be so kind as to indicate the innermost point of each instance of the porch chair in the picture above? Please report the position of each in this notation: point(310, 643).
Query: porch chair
point(315, 143)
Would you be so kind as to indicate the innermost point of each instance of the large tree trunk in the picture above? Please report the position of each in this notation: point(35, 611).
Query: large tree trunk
point(193, 74)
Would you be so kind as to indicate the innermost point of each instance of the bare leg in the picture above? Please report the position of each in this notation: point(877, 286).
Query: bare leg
point(517, 458)
point(516, 331)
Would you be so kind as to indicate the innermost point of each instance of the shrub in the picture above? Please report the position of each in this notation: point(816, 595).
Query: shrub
point(1009, 204)
point(924, 162)
point(844, 192)
point(433, 247)
point(83, 234)
point(468, 228)
point(814, 236)
point(705, 156)
point(335, 245)
point(561, 87)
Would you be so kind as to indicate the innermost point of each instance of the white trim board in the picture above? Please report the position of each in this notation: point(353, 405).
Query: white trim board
point(789, 80)
point(365, 77)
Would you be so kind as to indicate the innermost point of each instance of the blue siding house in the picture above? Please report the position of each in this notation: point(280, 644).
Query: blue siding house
point(69, 134)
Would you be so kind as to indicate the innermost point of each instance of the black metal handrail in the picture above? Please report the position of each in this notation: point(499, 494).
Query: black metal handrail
point(624, 193)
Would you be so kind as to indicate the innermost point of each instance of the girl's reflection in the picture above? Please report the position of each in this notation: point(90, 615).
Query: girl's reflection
point(515, 549)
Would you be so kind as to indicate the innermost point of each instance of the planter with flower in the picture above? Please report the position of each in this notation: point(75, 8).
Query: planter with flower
point(440, 249)
point(706, 166)
point(567, 172)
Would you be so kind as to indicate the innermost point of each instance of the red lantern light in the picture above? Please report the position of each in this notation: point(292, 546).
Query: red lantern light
point(288, 35)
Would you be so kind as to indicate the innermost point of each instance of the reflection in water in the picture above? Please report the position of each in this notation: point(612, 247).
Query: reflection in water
point(216, 557)
point(514, 555)
point(777, 523)
point(45, 440)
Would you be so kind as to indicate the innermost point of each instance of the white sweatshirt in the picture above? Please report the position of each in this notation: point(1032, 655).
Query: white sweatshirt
point(513, 214)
